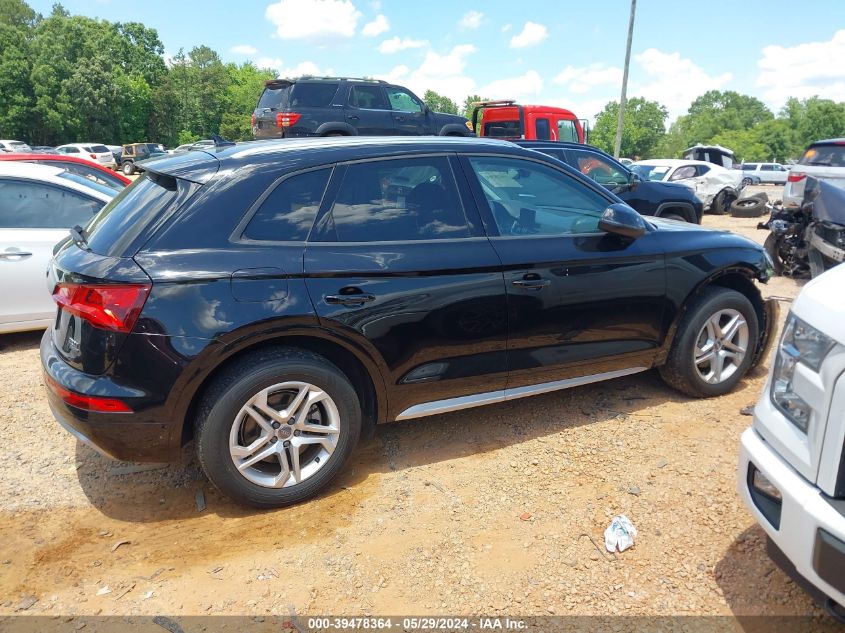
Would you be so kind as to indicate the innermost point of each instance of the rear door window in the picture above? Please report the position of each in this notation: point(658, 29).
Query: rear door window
point(34, 205)
point(399, 200)
point(313, 95)
point(368, 98)
point(287, 214)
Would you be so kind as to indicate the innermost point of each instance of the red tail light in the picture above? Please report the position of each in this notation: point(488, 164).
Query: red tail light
point(94, 156)
point(89, 403)
point(796, 177)
point(286, 119)
point(111, 307)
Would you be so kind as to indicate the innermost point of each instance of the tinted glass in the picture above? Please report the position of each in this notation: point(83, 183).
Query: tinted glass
point(286, 215)
point(312, 95)
point(71, 150)
point(566, 131)
point(598, 168)
point(368, 97)
point(99, 149)
point(273, 97)
point(700, 170)
point(749, 167)
point(502, 129)
point(31, 205)
point(82, 180)
point(543, 130)
point(767, 168)
point(401, 99)
point(527, 198)
point(651, 172)
point(93, 174)
point(122, 219)
point(403, 199)
point(824, 155)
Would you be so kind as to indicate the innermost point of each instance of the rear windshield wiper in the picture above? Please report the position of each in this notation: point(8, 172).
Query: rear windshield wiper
point(78, 235)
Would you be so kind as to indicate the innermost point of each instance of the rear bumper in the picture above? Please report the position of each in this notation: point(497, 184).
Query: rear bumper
point(806, 530)
point(123, 436)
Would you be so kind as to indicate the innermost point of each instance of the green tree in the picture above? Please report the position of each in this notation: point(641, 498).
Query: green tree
point(745, 144)
point(642, 130)
point(16, 93)
point(716, 112)
point(440, 103)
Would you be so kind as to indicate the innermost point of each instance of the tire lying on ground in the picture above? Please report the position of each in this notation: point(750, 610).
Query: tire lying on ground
point(748, 207)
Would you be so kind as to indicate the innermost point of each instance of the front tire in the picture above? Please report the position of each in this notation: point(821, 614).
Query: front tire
point(128, 169)
point(277, 427)
point(714, 345)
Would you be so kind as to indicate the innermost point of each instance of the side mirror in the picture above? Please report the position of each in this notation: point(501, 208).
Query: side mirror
point(633, 181)
point(620, 219)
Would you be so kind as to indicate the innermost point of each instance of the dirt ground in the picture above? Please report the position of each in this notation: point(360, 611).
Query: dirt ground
point(496, 510)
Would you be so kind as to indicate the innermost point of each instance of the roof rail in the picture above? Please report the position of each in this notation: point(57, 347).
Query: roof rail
point(494, 104)
point(371, 79)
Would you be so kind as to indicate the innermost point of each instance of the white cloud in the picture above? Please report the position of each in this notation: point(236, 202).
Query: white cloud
point(376, 27)
point(803, 71)
point(471, 19)
point(506, 28)
point(584, 79)
point(673, 80)
point(243, 49)
point(531, 35)
point(442, 73)
point(313, 19)
point(395, 44)
point(302, 68)
point(522, 88)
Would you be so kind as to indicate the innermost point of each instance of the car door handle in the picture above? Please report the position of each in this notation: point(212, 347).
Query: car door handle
point(14, 254)
point(349, 300)
point(531, 283)
point(399, 118)
point(352, 117)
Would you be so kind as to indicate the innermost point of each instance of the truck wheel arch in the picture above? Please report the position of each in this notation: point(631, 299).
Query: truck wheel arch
point(336, 128)
point(684, 209)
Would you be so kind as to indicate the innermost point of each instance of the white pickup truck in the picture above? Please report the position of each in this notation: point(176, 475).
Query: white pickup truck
point(791, 473)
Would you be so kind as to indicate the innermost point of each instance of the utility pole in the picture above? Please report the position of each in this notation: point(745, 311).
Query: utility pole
point(618, 144)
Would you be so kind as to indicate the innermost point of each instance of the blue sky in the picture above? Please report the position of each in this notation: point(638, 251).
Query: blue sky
point(553, 52)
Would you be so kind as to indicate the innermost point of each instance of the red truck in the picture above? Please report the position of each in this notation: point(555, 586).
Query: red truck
point(507, 119)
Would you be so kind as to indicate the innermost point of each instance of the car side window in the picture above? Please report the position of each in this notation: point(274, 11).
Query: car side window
point(402, 100)
point(72, 150)
point(543, 130)
point(287, 214)
point(682, 173)
point(399, 200)
point(32, 205)
point(767, 168)
point(528, 198)
point(368, 98)
point(566, 131)
point(700, 170)
point(594, 166)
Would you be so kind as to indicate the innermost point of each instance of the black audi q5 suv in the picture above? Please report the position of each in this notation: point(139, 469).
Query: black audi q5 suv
point(274, 300)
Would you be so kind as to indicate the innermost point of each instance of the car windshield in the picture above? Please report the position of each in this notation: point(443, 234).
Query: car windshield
point(88, 182)
point(824, 155)
point(650, 172)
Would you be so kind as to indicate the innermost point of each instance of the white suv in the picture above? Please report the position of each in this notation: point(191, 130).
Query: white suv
point(765, 173)
point(93, 152)
point(824, 160)
point(791, 472)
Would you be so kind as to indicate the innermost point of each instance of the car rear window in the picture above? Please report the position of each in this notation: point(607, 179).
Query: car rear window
point(312, 95)
point(286, 215)
point(128, 214)
point(274, 97)
point(824, 155)
point(99, 149)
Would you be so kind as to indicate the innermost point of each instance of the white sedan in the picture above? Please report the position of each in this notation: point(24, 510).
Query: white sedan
point(714, 185)
point(38, 204)
point(95, 152)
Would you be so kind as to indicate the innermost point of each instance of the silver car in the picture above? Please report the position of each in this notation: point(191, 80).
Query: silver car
point(824, 160)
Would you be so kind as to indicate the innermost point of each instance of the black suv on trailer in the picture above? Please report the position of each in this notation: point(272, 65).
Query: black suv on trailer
point(648, 197)
point(273, 301)
point(339, 106)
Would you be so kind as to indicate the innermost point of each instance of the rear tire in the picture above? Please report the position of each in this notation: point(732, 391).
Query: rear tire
point(244, 415)
point(709, 319)
point(128, 168)
point(722, 202)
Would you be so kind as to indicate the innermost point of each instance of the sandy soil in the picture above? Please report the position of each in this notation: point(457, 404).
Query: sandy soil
point(492, 510)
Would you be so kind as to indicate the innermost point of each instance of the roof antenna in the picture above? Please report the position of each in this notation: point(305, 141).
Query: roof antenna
point(219, 141)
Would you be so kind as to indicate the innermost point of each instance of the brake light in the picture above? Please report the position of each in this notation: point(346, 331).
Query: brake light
point(111, 307)
point(796, 177)
point(89, 403)
point(286, 119)
point(94, 156)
